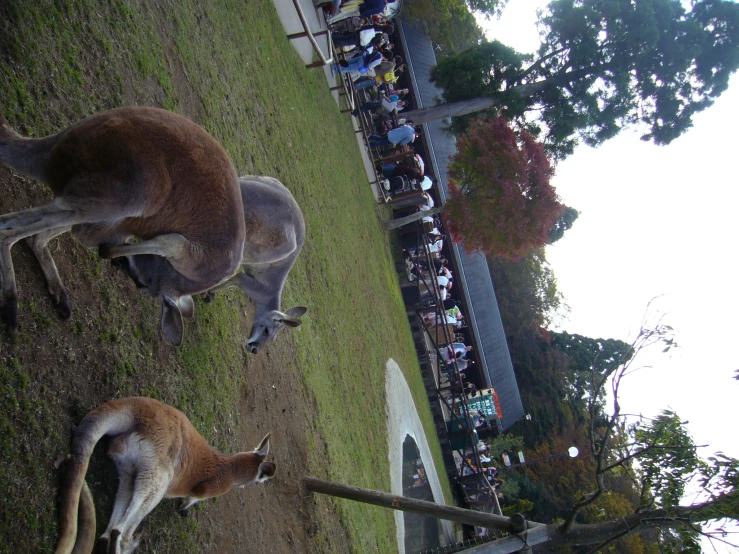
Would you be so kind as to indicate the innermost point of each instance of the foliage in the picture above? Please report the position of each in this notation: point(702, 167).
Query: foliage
point(564, 223)
point(449, 23)
point(603, 66)
point(487, 8)
point(507, 442)
point(668, 459)
point(501, 200)
point(623, 492)
point(519, 507)
point(526, 291)
point(589, 359)
point(563, 478)
point(658, 457)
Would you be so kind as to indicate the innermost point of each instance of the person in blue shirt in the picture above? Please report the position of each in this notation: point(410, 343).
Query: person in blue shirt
point(388, 103)
point(362, 63)
point(405, 134)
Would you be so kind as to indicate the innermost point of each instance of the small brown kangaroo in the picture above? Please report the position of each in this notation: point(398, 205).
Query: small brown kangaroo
point(158, 454)
point(134, 172)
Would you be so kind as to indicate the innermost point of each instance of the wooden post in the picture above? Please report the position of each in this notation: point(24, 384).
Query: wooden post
point(396, 223)
point(460, 515)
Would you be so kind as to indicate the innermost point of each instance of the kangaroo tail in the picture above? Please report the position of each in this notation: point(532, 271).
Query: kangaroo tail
point(76, 508)
point(26, 155)
point(86, 523)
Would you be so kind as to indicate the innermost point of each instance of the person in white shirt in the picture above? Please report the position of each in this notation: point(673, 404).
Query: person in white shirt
point(426, 184)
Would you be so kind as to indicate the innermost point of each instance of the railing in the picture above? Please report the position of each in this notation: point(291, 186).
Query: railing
point(449, 389)
point(311, 37)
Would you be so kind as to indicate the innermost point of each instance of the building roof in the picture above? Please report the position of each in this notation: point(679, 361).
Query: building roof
point(472, 271)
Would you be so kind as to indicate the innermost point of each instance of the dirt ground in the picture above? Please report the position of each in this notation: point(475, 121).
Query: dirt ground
point(70, 366)
point(70, 371)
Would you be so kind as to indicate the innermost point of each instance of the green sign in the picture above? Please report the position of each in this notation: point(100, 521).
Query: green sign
point(483, 403)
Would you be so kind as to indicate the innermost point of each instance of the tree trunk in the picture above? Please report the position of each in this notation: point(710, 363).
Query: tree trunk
point(453, 109)
point(597, 533)
point(471, 105)
point(407, 220)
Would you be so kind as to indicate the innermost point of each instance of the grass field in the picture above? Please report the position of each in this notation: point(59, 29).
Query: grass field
point(229, 67)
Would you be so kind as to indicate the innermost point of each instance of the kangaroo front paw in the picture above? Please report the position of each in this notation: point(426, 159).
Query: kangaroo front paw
point(104, 251)
point(61, 305)
point(102, 545)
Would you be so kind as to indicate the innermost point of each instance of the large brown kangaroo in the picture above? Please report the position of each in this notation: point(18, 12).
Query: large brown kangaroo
point(129, 172)
point(275, 235)
point(158, 454)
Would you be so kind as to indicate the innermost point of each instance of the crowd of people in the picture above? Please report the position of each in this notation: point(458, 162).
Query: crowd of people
point(366, 54)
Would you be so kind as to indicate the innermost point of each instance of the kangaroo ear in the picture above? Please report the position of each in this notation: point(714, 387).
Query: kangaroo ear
point(296, 311)
point(187, 306)
point(290, 318)
point(172, 327)
point(266, 471)
point(263, 448)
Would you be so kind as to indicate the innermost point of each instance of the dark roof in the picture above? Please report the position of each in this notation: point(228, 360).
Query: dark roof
point(477, 285)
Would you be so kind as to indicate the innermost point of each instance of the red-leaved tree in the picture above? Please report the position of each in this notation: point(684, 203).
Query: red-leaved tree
point(501, 200)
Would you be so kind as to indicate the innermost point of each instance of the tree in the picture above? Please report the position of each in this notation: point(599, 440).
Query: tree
point(601, 66)
point(566, 219)
point(644, 464)
point(526, 291)
point(589, 359)
point(659, 457)
point(501, 200)
point(449, 23)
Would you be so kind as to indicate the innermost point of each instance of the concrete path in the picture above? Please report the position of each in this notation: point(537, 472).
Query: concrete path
point(403, 420)
point(292, 24)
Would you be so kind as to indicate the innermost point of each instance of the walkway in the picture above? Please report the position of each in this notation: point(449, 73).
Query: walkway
point(403, 420)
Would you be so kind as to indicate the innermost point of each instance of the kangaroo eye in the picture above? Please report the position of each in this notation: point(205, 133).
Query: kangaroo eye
point(266, 332)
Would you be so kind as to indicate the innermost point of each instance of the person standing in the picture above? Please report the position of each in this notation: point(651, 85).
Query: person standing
point(405, 134)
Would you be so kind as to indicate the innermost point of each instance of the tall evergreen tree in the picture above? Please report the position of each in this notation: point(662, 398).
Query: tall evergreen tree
point(602, 66)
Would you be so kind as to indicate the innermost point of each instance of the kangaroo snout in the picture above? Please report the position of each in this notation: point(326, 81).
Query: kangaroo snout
point(252, 347)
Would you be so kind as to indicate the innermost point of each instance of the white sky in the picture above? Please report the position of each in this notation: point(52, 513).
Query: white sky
point(655, 221)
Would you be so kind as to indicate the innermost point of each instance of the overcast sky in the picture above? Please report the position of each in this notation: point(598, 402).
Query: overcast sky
point(655, 221)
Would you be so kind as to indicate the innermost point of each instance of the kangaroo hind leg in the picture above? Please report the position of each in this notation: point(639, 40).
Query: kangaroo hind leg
point(16, 226)
point(122, 501)
point(148, 490)
point(39, 246)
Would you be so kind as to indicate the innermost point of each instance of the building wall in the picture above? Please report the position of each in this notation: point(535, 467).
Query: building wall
point(472, 272)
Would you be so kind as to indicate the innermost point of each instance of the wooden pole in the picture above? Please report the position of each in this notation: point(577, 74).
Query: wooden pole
point(431, 509)
point(401, 221)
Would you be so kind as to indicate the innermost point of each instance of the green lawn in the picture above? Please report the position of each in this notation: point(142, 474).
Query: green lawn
point(238, 77)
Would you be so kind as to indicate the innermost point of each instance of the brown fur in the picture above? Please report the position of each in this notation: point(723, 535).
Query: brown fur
point(160, 455)
point(130, 172)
